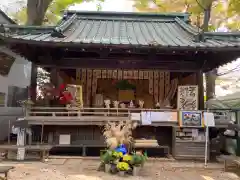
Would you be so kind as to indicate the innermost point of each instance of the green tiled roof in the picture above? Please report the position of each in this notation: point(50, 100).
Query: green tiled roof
point(126, 29)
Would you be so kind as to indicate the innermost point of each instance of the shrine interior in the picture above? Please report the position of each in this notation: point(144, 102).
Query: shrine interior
point(156, 88)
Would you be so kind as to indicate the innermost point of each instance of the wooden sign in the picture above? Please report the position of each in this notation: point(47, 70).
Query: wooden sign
point(187, 97)
point(64, 139)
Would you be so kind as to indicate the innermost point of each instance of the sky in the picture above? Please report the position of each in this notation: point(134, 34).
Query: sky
point(108, 5)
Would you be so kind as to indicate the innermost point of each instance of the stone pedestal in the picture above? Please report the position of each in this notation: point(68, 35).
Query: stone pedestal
point(121, 173)
point(107, 168)
point(21, 137)
point(136, 171)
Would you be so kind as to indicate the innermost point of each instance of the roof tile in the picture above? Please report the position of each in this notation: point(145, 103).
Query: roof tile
point(131, 29)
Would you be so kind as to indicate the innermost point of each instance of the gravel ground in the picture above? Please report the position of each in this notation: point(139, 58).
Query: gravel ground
point(82, 169)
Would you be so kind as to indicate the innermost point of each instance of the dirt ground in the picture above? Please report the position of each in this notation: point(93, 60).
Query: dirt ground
point(83, 169)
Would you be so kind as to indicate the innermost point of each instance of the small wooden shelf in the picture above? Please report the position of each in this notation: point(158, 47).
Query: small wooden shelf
point(185, 146)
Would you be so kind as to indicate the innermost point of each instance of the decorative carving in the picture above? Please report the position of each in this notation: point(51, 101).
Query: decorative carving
point(157, 80)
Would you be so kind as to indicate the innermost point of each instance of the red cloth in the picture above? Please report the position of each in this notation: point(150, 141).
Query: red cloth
point(62, 87)
point(66, 97)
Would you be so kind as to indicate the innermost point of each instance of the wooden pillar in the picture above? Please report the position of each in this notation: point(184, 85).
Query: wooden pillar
point(200, 89)
point(54, 76)
point(33, 83)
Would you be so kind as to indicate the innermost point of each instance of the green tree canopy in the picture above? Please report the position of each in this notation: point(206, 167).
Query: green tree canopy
point(222, 13)
point(39, 12)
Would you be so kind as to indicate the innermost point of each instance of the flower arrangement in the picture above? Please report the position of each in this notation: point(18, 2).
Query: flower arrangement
point(118, 136)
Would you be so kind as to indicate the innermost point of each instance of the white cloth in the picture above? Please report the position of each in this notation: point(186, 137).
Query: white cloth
point(209, 119)
point(146, 118)
point(21, 137)
point(15, 130)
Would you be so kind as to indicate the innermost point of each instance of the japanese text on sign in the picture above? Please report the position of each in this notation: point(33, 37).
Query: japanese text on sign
point(188, 97)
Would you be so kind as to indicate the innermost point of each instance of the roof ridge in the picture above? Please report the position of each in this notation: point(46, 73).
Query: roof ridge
point(125, 19)
point(58, 30)
point(173, 15)
point(189, 28)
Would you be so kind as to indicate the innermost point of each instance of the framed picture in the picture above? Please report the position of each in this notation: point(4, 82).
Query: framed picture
point(191, 119)
point(187, 98)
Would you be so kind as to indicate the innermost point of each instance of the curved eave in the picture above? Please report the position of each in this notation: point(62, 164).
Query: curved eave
point(123, 46)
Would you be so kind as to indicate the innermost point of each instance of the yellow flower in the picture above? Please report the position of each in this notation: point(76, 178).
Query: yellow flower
point(115, 154)
point(120, 154)
point(122, 166)
point(127, 158)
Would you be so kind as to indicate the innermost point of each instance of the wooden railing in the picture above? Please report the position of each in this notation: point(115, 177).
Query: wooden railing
point(87, 115)
point(63, 111)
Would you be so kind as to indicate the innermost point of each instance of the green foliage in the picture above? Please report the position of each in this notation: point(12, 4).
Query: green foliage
point(223, 13)
point(53, 13)
point(110, 156)
point(138, 160)
point(233, 7)
point(124, 85)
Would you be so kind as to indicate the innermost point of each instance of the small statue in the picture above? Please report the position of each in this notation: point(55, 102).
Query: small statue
point(141, 103)
point(131, 105)
point(115, 104)
point(122, 105)
point(158, 105)
point(107, 103)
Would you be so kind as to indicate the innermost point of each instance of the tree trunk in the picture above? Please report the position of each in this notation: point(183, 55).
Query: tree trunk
point(211, 75)
point(36, 10)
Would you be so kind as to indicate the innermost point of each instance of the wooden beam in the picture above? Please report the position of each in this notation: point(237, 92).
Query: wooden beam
point(33, 84)
point(180, 66)
point(54, 76)
point(200, 89)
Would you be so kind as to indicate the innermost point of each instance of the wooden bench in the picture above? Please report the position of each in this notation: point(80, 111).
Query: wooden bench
point(4, 170)
point(43, 149)
point(231, 159)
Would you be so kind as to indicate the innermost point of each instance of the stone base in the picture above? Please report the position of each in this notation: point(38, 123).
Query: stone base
point(136, 171)
point(107, 168)
point(121, 173)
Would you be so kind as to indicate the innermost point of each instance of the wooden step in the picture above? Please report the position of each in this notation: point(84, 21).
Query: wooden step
point(146, 141)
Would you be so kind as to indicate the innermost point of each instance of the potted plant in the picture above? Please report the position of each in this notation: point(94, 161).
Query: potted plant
point(110, 158)
point(137, 161)
point(118, 137)
point(122, 168)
